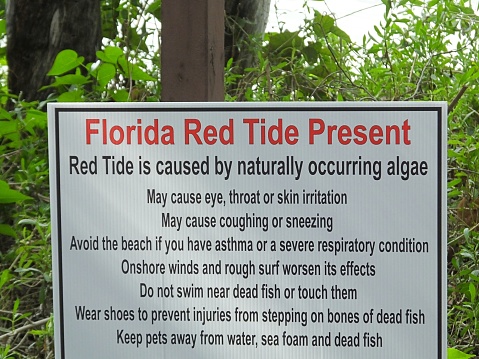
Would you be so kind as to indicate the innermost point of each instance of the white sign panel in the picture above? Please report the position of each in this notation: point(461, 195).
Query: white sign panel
point(271, 230)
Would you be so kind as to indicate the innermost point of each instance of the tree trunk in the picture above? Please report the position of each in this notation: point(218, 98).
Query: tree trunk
point(38, 30)
point(244, 19)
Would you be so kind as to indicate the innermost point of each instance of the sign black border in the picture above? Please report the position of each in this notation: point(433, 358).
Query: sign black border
point(235, 108)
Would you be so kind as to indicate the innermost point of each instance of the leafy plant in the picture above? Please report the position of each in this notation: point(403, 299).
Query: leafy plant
point(453, 353)
point(112, 78)
point(25, 253)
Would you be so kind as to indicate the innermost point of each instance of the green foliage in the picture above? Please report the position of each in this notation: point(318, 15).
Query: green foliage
point(463, 285)
point(8, 195)
point(301, 65)
point(113, 77)
point(453, 353)
point(25, 251)
point(65, 61)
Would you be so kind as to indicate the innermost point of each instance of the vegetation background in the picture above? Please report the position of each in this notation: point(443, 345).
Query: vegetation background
point(423, 50)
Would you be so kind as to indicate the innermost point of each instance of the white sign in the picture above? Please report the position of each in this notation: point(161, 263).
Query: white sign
point(264, 230)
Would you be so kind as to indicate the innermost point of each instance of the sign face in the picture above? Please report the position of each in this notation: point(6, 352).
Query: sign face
point(264, 230)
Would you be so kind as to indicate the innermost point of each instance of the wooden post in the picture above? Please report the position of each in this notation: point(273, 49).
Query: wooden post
point(192, 50)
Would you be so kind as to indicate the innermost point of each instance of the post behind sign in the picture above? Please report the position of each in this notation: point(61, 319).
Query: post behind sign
point(192, 50)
